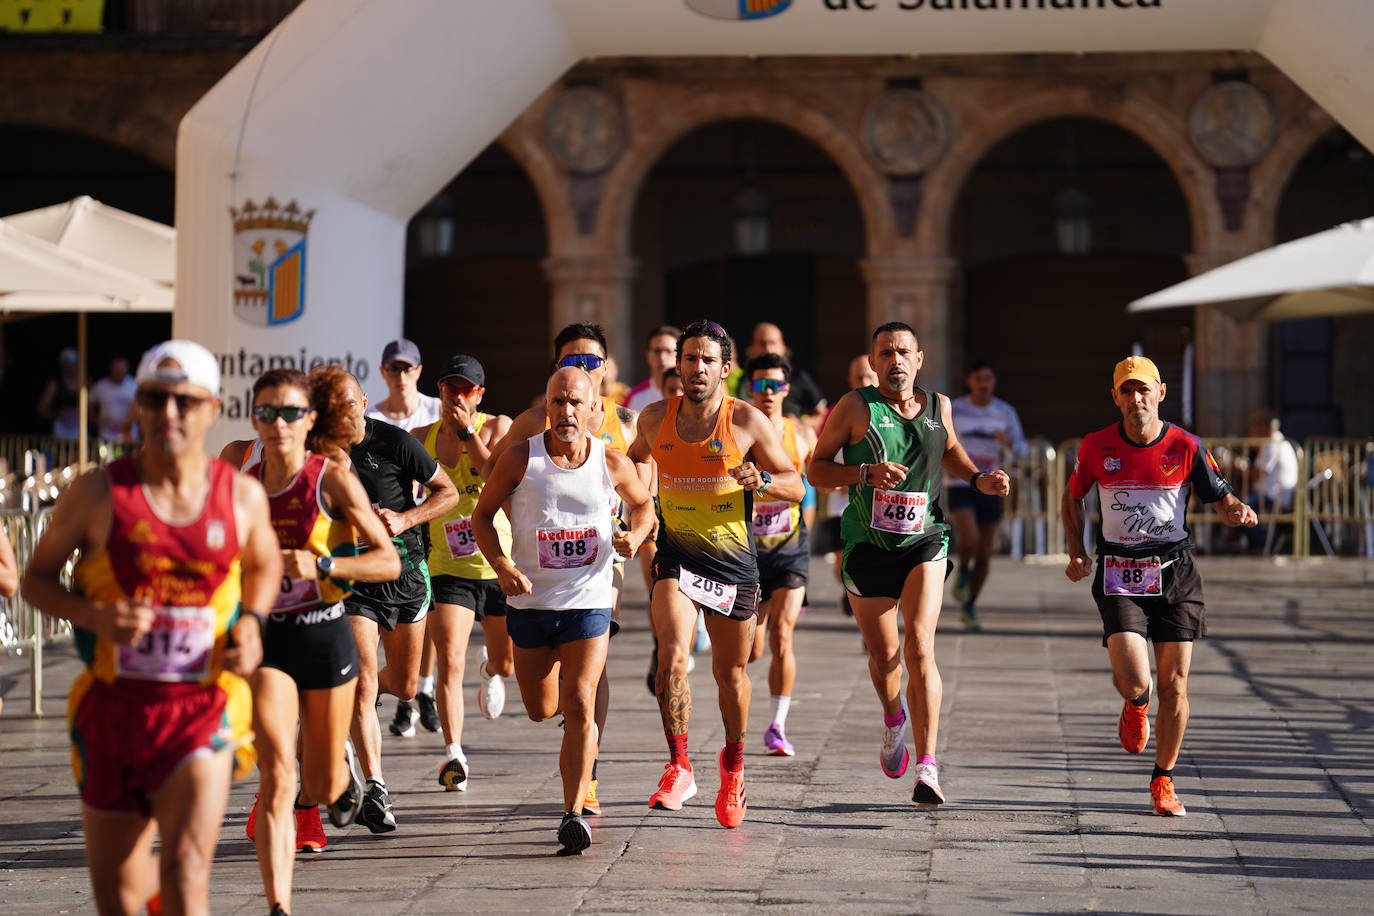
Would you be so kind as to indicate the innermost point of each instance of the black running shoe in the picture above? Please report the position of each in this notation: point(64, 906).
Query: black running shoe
point(278, 911)
point(344, 809)
point(429, 711)
point(376, 811)
point(574, 834)
point(403, 726)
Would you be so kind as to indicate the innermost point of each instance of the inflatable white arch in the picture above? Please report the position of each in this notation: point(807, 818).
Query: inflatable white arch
point(298, 172)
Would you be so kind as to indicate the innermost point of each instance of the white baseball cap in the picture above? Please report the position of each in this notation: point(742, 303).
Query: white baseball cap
point(175, 361)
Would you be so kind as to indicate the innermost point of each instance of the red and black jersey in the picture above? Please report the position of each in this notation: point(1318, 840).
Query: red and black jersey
point(1143, 489)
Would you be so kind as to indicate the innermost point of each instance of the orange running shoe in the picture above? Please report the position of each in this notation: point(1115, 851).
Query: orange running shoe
point(309, 830)
point(253, 816)
point(675, 786)
point(1165, 800)
point(590, 803)
point(730, 800)
point(1133, 728)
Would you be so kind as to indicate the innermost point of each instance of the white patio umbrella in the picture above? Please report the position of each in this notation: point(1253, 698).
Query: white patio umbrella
point(87, 227)
point(39, 276)
point(1329, 273)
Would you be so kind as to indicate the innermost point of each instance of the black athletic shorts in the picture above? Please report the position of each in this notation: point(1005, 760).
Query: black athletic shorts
point(315, 647)
point(390, 604)
point(667, 566)
point(986, 509)
point(1176, 616)
point(869, 571)
point(790, 570)
point(484, 596)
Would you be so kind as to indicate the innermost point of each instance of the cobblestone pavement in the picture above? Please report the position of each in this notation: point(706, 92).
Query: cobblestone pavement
point(1046, 813)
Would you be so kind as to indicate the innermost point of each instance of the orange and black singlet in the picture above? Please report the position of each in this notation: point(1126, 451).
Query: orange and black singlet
point(704, 513)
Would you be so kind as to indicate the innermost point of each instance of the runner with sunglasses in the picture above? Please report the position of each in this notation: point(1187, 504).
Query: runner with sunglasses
point(309, 667)
point(582, 345)
point(892, 440)
point(465, 586)
point(784, 548)
point(178, 565)
point(714, 454)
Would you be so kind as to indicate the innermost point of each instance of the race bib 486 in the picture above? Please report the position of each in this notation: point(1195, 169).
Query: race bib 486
point(898, 512)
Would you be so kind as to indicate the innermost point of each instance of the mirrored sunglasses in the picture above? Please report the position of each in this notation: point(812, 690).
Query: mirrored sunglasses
point(767, 385)
point(588, 361)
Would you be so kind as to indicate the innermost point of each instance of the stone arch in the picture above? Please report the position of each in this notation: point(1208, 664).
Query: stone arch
point(1270, 178)
point(522, 141)
point(979, 132)
point(142, 136)
point(657, 129)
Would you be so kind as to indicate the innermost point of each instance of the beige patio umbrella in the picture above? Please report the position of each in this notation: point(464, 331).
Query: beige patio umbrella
point(1329, 273)
point(38, 276)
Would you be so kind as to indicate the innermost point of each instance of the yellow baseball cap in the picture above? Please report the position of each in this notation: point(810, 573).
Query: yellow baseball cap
point(1135, 367)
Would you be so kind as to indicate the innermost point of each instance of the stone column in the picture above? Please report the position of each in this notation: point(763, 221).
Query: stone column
point(596, 288)
point(915, 290)
point(1231, 360)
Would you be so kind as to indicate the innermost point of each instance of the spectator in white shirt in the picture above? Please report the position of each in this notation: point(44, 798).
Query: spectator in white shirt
point(111, 400)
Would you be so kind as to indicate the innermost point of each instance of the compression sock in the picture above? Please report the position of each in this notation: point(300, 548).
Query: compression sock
point(677, 750)
point(894, 720)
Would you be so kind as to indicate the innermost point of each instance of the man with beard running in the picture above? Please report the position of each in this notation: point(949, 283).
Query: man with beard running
point(714, 455)
point(895, 438)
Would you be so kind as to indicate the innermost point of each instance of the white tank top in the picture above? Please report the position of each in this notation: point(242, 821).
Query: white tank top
point(561, 531)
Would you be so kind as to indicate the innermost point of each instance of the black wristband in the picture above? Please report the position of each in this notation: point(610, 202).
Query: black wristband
point(973, 481)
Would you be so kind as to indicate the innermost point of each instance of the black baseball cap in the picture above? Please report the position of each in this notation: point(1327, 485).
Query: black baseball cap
point(401, 350)
point(464, 366)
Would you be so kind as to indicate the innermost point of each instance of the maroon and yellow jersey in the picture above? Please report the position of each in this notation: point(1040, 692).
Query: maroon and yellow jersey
point(1143, 490)
point(302, 523)
point(189, 573)
point(705, 514)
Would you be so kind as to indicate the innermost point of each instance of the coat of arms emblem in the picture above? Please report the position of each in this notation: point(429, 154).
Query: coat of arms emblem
point(269, 261)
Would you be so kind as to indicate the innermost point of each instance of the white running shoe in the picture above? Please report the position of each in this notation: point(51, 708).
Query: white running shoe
point(491, 691)
point(895, 755)
point(926, 793)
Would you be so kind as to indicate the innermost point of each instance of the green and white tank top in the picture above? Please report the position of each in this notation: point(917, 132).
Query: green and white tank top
point(893, 519)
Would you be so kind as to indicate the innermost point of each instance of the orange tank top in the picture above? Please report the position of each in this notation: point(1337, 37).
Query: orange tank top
point(705, 514)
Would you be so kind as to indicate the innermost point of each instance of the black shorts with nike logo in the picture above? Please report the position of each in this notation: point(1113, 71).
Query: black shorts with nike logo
point(314, 647)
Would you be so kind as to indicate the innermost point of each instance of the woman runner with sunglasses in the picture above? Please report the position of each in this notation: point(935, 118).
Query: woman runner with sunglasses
point(310, 661)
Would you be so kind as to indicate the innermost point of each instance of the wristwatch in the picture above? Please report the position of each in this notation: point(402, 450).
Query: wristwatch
point(767, 479)
point(324, 566)
point(465, 433)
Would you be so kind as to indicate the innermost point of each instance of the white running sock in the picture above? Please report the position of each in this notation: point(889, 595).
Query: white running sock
point(456, 750)
point(426, 686)
point(780, 705)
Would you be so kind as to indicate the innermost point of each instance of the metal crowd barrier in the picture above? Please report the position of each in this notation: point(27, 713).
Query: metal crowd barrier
point(23, 629)
point(1032, 509)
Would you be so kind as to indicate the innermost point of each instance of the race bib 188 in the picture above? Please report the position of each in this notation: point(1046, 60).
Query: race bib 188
point(710, 594)
point(900, 513)
point(1141, 576)
point(567, 548)
point(177, 648)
